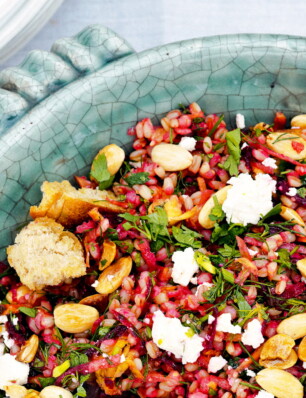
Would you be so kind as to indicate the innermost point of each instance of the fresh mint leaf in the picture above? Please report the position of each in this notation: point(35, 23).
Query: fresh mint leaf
point(216, 214)
point(77, 358)
point(129, 217)
point(186, 237)
point(99, 169)
point(233, 139)
point(137, 178)
point(28, 311)
point(243, 305)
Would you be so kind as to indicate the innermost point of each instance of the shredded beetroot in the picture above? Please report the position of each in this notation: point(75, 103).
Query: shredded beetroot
point(294, 290)
point(85, 227)
point(91, 367)
point(146, 253)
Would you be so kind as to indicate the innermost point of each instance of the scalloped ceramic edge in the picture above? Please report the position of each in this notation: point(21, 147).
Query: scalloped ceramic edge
point(60, 108)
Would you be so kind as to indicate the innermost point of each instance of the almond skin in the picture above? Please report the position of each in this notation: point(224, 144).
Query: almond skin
point(28, 350)
point(280, 383)
point(301, 266)
point(171, 157)
point(291, 215)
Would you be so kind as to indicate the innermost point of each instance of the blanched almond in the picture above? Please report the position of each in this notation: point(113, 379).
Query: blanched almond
point(301, 266)
point(54, 392)
point(114, 157)
point(28, 350)
point(291, 215)
point(171, 157)
point(112, 277)
point(294, 326)
point(302, 350)
point(278, 363)
point(204, 219)
point(280, 383)
point(15, 391)
point(299, 121)
point(287, 143)
point(75, 318)
point(108, 255)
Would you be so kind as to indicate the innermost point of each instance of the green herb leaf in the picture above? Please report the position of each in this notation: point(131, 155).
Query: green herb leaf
point(204, 263)
point(233, 139)
point(273, 212)
point(216, 214)
point(228, 276)
point(229, 252)
point(100, 172)
point(243, 305)
point(137, 178)
point(186, 237)
point(77, 358)
point(46, 381)
point(28, 311)
point(302, 192)
point(216, 125)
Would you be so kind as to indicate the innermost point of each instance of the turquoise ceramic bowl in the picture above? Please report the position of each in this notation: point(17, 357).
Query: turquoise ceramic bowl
point(58, 109)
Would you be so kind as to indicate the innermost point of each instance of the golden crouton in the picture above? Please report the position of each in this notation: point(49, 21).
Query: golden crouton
point(68, 205)
point(44, 254)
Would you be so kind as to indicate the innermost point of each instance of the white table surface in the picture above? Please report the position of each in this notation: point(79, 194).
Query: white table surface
point(148, 23)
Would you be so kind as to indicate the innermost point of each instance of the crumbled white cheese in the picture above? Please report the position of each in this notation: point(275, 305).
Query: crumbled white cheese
point(188, 143)
point(291, 192)
point(170, 335)
point(3, 319)
point(270, 162)
point(95, 284)
point(240, 122)
point(15, 320)
point(252, 252)
point(224, 324)
point(250, 373)
point(244, 145)
point(248, 200)
point(12, 371)
point(216, 363)
point(194, 280)
point(147, 321)
point(264, 394)
point(304, 365)
point(184, 267)
point(122, 358)
point(210, 319)
point(252, 335)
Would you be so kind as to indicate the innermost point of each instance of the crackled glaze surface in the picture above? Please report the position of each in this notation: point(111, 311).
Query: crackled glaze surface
point(52, 137)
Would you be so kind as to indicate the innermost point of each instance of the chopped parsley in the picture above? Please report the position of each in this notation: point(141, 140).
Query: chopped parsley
point(137, 178)
point(100, 172)
point(233, 139)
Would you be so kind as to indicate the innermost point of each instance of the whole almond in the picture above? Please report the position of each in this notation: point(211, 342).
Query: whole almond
point(291, 215)
point(75, 318)
point(171, 157)
point(299, 121)
point(280, 383)
point(28, 350)
point(54, 392)
point(301, 266)
point(109, 250)
point(112, 277)
point(204, 219)
point(294, 326)
point(302, 350)
point(287, 143)
point(278, 346)
point(114, 157)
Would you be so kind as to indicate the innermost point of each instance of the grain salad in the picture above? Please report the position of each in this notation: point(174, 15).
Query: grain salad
point(178, 270)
